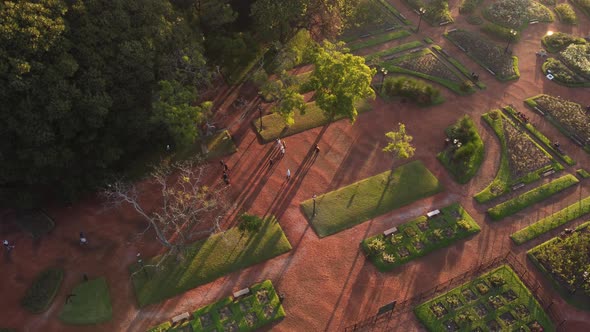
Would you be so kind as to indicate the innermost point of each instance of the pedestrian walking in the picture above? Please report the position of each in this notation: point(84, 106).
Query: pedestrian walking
point(271, 162)
point(7, 246)
point(224, 166)
point(284, 144)
point(279, 143)
point(225, 178)
point(83, 239)
point(283, 150)
point(288, 174)
point(317, 149)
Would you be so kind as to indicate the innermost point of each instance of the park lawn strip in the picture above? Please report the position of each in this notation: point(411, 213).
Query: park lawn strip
point(253, 302)
point(43, 290)
point(351, 205)
point(393, 50)
point(493, 285)
point(463, 171)
point(560, 247)
point(274, 126)
point(542, 138)
point(90, 305)
point(454, 217)
point(378, 39)
point(207, 260)
point(583, 173)
point(531, 197)
point(553, 221)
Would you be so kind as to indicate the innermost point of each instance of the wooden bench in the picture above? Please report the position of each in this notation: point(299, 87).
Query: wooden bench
point(549, 172)
point(517, 186)
point(241, 292)
point(433, 214)
point(491, 72)
point(180, 318)
point(390, 231)
point(365, 36)
point(391, 28)
point(444, 23)
point(539, 110)
point(577, 140)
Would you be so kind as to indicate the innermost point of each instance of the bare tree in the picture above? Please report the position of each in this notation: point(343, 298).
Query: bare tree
point(188, 205)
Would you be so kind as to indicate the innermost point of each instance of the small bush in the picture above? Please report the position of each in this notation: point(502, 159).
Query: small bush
point(583, 173)
point(250, 223)
point(416, 90)
point(41, 293)
point(376, 246)
point(566, 13)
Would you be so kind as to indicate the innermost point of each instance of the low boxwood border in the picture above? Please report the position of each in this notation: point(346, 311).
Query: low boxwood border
point(583, 173)
point(42, 291)
point(377, 39)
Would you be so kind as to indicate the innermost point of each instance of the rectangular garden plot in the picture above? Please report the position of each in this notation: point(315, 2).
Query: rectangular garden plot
point(420, 236)
point(522, 160)
point(371, 197)
point(261, 307)
point(569, 117)
point(495, 301)
point(564, 261)
point(486, 53)
point(372, 17)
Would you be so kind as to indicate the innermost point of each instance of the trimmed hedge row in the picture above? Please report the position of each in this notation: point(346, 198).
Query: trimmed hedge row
point(43, 290)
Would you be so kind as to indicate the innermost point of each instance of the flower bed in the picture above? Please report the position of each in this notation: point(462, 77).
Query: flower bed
point(558, 41)
point(516, 14)
point(437, 11)
point(486, 53)
point(563, 74)
point(497, 300)
point(371, 17)
point(564, 260)
point(420, 236)
point(261, 307)
point(566, 13)
point(577, 57)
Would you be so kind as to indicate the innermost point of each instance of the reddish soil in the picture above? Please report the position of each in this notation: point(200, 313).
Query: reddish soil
point(328, 283)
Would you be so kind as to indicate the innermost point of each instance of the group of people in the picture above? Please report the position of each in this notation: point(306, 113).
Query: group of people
point(9, 246)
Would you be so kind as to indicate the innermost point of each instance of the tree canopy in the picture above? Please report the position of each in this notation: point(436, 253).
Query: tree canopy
point(400, 143)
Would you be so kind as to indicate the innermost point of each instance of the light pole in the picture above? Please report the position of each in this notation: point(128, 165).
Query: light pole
point(510, 37)
point(314, 197)
point(260, 115)
point(384, 72)
point(421, 12)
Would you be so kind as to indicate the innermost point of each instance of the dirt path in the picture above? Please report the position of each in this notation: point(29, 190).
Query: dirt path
point(328, 283)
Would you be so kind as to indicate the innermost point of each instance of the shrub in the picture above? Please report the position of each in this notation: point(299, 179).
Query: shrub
point(250, 223)
point(388, 258)
point(464, 224)
point(413, 89)
point(376, 246)
point(583, 173)
point(559, 41)
point(482, 288)
point(43, 290)
point(566, 13)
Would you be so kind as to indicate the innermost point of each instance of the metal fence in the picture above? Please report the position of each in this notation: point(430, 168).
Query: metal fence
point(381, 322)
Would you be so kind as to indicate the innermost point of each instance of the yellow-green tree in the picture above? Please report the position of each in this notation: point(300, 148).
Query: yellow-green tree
point(400, 143)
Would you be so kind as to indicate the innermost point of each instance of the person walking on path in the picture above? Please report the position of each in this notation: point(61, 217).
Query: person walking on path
point(288, 174)
point(271, 162)
point(7, 246)
point(225, 177)
point(283, 151)
point(317, 149)
point(224, 166)
point(284, 144)
point(83, 239)
point(279, 143)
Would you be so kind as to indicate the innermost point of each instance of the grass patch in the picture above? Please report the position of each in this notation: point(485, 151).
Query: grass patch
point(393, 50)
point(43, 290)
point(371, 197)
point(563, 260)
point(34, 222)
point(248, 313)
point(274, 126)
point(553, 221)
point(207, 260)
point(416, 90)
point(497, 300)
point(90, 305)
point(419, 237)
point(464, 161)
point(376, 40)
point(531, 197)
point(219, 145)
point(583, 173)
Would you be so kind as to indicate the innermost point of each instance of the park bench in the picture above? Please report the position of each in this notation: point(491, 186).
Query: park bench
point(432, 214)
point(491, 72)
point(517, 186)
point(402, 16)
point(577, 140)
point(539, 110)
point(391, 28)
point(444, 23)
point(365, 36)
point(390, 231)
point(549, 172)
point(533, 21)
point(241, 292)
point(461, 48)
point(180, 318)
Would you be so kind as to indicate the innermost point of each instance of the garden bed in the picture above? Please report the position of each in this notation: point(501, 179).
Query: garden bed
point(564, 260)
point(391, 51)
point(522, 160)
point(464, 152)
point(372, 17)
point(531, 197)
point(558, 41)
point(358, 202)
point(419, 237)
point(207, 260)
point(497, 300)
point(436, 11)
point(516, 14)
point(486, 53)
point(43, 290)
point(584, 174)
point(377, 39)
point(553, 221)
point(249, 313)
point(91, 304)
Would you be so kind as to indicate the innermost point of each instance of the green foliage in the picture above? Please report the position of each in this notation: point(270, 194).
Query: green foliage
point(468, 6)
point(90, 305)
point(43, 290)
point(566, 13)
point(250, 223)
point(375, 246)
point(583, 173)
point(416, 90)
point(379, 39)
point(463, 160)
point(500, 32)
point(399, 143)
point(558, 41)
point(562, 73)
point(340, 81)
point(397, 49)
point(437, 11)
point(584, 5)
point(551, 222)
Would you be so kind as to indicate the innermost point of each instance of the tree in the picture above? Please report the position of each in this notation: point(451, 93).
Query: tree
point(284, 92)
point(188, 206)
point(340, 80)
point(400, 143)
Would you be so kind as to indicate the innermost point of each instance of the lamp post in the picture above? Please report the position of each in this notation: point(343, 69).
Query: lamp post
point(260, 115)
point(421, 12)
point(314, 197)
point(510, 37)
point(384, 72)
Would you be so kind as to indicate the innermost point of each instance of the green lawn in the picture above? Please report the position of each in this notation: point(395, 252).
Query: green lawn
point(248, 313)
point(393, 50)
point(464, 162)
point(563, 261)
point(419, 237)
point(43, 290)
point(274, 126)
point(378, 39)
point(531, 197)
point(553, 221)
point(371, 197)
point(207, 260)
point(90, 305)
point(496, 298)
